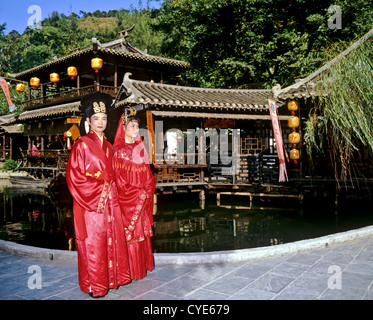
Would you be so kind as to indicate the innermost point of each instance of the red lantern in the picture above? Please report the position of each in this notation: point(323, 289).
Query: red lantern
point(294, 155)
point(293, 105)
point(96, 64)
point(20, 88)
point(293, 122)
point(34, 82)
point(72, 72)
point(54, 77)
point(294, 137)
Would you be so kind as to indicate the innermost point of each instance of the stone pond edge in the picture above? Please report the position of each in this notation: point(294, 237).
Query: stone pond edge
point(204, 257)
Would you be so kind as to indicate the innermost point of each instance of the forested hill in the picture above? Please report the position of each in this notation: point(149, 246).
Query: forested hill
point(61, 34)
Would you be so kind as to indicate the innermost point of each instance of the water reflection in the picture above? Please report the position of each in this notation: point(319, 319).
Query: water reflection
point(215, 228)
point(181, 224)
point(32, 217)
point(238, 224)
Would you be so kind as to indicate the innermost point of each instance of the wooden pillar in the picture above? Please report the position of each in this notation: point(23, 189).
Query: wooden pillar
point(28, 96)
point(29, 146)
point(115, 77)
point(78, 84)
point(10, 147)
point(42, 93)
point(155, 197)
point(97, 82)
point(3, 148)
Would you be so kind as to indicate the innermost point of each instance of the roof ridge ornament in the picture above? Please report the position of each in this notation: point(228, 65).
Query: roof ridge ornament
point(128, 89)
point(276, 89)
point(126, 32)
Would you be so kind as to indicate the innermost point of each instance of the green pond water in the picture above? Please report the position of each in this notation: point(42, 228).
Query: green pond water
point(183, 224)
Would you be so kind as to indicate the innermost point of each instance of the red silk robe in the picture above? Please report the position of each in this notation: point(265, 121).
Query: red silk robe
point(102, 250)
point(136, 186)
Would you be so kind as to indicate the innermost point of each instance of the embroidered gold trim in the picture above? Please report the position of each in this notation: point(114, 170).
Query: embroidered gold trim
point(104, 197)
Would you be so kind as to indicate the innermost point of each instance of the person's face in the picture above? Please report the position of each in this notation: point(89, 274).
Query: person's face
point(98, 122)
point(132, 130)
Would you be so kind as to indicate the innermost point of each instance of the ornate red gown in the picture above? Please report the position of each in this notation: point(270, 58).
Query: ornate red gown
point(102, 250)
point(136, 186)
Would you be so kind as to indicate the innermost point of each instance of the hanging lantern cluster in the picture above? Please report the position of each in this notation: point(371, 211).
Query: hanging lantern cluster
point(96, 64)
point(294, 137)
point(54, 77)
point(72, 72)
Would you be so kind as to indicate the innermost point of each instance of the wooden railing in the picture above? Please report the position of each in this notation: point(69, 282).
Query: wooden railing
point(182, 159)
point(70, 95)
point(54, 160)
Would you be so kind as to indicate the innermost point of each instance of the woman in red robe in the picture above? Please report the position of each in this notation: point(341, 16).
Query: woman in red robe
point(102, 250)
point(136, 186)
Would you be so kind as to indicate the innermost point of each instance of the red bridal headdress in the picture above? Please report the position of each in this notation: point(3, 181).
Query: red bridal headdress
point(120, 142)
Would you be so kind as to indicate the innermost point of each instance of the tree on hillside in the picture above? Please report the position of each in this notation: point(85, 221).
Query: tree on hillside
point(231, 43)
point(142, 36)
point(60, 34)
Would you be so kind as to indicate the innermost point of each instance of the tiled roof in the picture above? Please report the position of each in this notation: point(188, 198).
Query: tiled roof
point(16, 128)
point(116, 52)
point(67, 108)
point(142, 92)
point(211, 115)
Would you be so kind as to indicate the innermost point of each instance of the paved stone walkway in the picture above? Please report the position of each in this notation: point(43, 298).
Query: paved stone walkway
point(341, 271)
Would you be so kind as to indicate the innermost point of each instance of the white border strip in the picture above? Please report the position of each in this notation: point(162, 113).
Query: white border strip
point(204, 257)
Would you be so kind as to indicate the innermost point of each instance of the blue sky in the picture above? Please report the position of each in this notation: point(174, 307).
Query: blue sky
point(18, 13)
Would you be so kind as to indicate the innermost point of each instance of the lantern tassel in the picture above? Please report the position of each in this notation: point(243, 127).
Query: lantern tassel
point(283, 175)
point(68, 143)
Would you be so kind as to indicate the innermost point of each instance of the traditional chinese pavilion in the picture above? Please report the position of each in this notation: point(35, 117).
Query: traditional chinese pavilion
point(202, 138)
point(186, 127)
point(51, 111)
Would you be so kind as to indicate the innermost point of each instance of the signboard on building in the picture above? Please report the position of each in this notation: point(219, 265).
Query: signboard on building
point(218, 123)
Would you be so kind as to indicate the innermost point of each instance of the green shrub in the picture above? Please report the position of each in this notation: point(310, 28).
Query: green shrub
point(10, 165)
